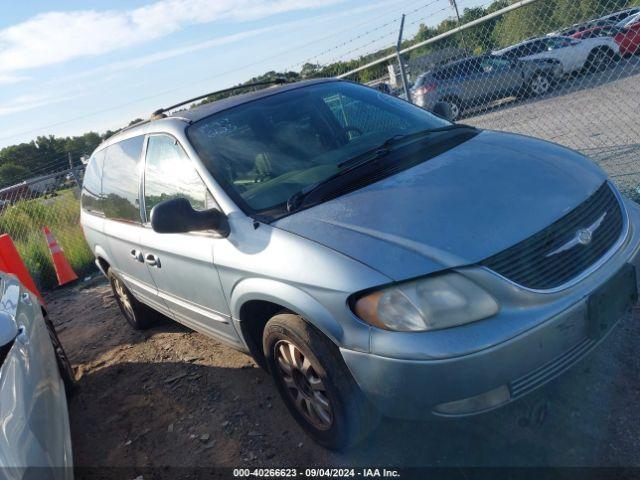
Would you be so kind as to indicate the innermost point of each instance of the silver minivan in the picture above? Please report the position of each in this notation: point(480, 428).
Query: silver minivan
point(375, 258)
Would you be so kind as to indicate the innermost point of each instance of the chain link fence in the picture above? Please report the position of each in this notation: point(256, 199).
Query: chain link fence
point(563, 71)
point(49, 200)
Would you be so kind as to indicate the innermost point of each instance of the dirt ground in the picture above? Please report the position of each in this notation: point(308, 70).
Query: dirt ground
point(171, 397)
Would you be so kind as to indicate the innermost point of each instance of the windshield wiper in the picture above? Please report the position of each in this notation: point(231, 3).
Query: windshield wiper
point(384, 147)
point(380, 150)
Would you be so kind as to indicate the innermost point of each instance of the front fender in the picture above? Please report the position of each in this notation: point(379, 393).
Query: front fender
point(289, 297)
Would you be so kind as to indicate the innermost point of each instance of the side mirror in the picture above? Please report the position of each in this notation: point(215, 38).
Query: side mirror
point(443, 109)
point(178, 216)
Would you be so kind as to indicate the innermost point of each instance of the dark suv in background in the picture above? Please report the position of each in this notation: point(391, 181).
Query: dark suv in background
point(478, 80)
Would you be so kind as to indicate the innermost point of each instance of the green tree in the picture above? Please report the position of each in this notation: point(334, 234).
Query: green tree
point(11, 174)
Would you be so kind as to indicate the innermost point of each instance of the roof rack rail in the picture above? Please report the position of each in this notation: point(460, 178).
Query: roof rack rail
point(161, 112)
point(129, 127)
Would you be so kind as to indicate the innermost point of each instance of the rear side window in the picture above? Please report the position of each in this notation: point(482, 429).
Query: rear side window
point(531, 48)
point(120, 180)
point(92, 185)
point(170, 174)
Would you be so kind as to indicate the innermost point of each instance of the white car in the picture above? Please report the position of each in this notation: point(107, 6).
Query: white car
point(630, 20)
point(622, 15)
point(34, 436)
point(573, 55)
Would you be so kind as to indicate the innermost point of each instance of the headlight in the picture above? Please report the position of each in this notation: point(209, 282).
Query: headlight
point(430, 303)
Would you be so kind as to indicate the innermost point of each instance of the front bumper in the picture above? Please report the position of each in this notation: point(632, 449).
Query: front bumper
point(416, 387)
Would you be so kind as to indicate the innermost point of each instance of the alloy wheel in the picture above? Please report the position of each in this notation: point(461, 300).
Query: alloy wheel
point(303, 384)
point(123, 299)
point(540, 85)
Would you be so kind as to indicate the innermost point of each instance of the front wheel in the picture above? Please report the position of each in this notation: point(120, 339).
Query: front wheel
point(539, 85)
point(315, 384)
point(64, 365)
point(138, 315)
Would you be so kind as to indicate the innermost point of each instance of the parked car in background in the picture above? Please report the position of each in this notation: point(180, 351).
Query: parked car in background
point(574, 55)
point(621, 15)
point(631, 20)
point(604, 21)
point(627, 38)
point(579, 27)
point(597, 32)
point(375, 258)
point(478, 80)
point(34, 371)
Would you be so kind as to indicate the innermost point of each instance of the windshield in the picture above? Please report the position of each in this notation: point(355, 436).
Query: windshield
point(264, 151)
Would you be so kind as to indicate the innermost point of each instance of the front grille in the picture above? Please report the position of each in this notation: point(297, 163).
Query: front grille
point(531, 263)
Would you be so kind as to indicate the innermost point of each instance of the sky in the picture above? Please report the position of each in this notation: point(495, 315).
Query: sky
point(72, 66)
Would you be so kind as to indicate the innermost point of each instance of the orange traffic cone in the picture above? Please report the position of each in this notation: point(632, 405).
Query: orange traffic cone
point(11, 262)
point(64, 272)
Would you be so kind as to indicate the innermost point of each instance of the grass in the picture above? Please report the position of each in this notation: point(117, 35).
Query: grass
point(24, 222)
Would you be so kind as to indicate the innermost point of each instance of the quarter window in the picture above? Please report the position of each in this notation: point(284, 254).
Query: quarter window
point(170, 174)
point(120, 180)
point(92, 184)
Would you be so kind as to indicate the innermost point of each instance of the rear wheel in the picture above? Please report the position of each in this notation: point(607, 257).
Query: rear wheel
point(315, 384)
point(64, 365)
point(138, 315)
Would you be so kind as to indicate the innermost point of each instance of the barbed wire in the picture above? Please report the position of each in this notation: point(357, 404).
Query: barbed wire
point(360, 36)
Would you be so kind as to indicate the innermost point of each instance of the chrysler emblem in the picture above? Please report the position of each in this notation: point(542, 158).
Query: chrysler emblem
point(582, 237)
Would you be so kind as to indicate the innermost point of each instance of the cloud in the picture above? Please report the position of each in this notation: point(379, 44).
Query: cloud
point(108, 70)
point(142, 61)
point(28, 102)
point(56, 37)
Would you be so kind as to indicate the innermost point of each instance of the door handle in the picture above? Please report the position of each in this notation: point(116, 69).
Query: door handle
point(136, 255)
point(152, 260)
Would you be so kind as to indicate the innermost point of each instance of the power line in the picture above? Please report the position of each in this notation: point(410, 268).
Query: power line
point(172, 90)
point(362, 35)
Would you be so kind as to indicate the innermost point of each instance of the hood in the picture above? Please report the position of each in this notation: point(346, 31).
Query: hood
point(455, 209)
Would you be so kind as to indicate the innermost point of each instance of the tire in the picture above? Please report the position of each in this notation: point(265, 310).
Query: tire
point(321, 395)
point(456, 107)
point(599, 60)
point(64, 365)
point(138, 315)
point(539, 84)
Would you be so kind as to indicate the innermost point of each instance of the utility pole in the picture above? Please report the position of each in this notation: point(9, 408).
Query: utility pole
point(454, 5)
point(403, 74)
point(72, 171)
